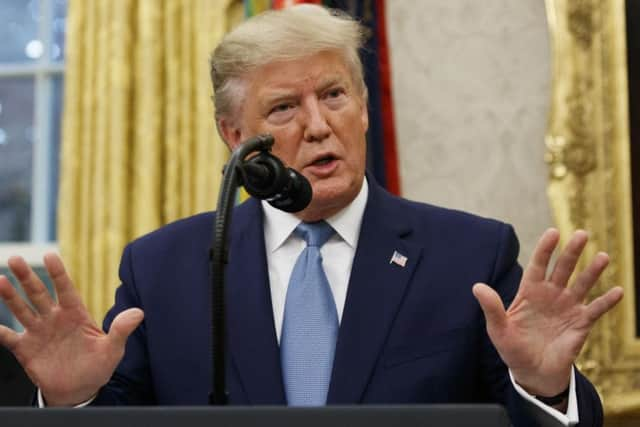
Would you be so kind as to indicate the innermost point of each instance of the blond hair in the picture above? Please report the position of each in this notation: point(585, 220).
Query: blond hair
point(282, 35)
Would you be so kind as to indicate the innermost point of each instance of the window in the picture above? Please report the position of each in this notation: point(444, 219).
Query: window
point(32, 48)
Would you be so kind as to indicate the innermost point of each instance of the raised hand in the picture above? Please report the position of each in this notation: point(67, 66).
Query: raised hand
point(546, 325)
point(62, 349)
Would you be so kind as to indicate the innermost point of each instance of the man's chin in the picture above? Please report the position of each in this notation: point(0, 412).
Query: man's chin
point(328, 200)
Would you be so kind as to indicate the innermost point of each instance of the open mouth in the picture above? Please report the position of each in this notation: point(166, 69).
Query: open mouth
point(323, 160)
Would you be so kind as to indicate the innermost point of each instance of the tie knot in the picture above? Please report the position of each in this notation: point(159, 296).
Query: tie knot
point(315, 233)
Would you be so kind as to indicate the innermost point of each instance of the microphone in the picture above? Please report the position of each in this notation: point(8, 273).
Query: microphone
point(264, 176)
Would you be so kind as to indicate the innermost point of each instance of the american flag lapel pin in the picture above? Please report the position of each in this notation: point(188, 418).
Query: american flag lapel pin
point(398, 259)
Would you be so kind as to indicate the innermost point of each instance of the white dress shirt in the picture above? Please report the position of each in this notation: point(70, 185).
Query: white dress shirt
point(283, 247)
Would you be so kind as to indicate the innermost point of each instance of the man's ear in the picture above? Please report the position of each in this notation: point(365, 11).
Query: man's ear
point(364, 114)
point(230, 132)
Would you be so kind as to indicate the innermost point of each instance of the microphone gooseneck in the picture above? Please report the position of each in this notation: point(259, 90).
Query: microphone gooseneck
point(265, 177)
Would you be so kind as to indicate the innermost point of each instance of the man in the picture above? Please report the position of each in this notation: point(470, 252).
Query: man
point(397, 276)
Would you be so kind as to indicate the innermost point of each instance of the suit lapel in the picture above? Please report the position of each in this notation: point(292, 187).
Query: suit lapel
point(376, 289)
point(251, 332)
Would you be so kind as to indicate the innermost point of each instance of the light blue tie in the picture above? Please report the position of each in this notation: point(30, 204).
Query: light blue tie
point(310, 324)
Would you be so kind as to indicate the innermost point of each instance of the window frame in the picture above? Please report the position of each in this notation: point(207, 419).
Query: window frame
point(33, 253)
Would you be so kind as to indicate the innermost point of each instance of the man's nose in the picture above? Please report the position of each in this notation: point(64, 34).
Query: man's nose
point(316, 128)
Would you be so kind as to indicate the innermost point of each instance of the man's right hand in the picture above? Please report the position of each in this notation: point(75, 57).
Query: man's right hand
point(62, 349)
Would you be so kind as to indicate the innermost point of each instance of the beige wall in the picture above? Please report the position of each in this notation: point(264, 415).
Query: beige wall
point(471, 83)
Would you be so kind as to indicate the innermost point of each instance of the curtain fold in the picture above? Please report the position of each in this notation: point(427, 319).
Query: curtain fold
point(139, 142)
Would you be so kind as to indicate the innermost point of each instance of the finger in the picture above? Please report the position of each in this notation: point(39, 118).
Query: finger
point(569, 258)
point(18, 307)
point(491, 305)
point(537, 268)
point(604, 303)
point(587, 278)
point(123, 325)
point(67, 295)
point(33, 287)
point(8, 338)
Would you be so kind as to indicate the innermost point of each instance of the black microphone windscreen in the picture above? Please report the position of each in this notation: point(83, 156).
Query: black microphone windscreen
point(295, 196)
point(264, 176)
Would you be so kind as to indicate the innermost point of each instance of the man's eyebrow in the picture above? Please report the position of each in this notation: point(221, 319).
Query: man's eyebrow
point(277, 95)
point(330, 81)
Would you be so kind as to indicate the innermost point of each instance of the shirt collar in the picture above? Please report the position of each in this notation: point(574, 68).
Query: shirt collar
point(279, 225)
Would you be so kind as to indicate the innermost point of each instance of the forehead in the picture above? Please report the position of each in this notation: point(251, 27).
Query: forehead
point(308, 72)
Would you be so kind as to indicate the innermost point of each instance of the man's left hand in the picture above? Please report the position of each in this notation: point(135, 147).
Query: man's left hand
point(545, 327)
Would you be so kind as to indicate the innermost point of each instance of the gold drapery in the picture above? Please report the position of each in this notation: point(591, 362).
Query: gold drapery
point(139, 142)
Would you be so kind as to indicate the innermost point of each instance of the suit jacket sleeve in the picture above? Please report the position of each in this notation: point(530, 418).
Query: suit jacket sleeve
point(131, 382)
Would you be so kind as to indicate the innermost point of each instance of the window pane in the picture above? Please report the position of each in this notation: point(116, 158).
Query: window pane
point(16, 147)
point(6, 318)
point(19, 31)
point(58, 29)
point(55, 137)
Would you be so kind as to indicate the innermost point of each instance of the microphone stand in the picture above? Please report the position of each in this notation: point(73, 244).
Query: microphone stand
point(219, 257)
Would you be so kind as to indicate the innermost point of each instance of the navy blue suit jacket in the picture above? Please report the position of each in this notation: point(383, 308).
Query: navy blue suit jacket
point(412, 334)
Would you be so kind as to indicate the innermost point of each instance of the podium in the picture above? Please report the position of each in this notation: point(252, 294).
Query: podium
point(201, 416)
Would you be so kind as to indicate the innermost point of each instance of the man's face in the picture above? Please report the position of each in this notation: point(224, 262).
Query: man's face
point(318, 119)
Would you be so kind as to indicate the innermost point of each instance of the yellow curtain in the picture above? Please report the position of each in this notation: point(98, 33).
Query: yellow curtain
point(139, 142)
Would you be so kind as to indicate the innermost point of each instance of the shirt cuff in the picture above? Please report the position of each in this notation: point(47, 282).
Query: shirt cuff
point(42, 404)
point(568, 419)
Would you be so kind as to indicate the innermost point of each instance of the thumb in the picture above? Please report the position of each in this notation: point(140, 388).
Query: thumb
point(491, 305)
point(124, 324)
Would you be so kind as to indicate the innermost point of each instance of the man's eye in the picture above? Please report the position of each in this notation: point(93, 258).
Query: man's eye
point(281, 108)
point(334, 93)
